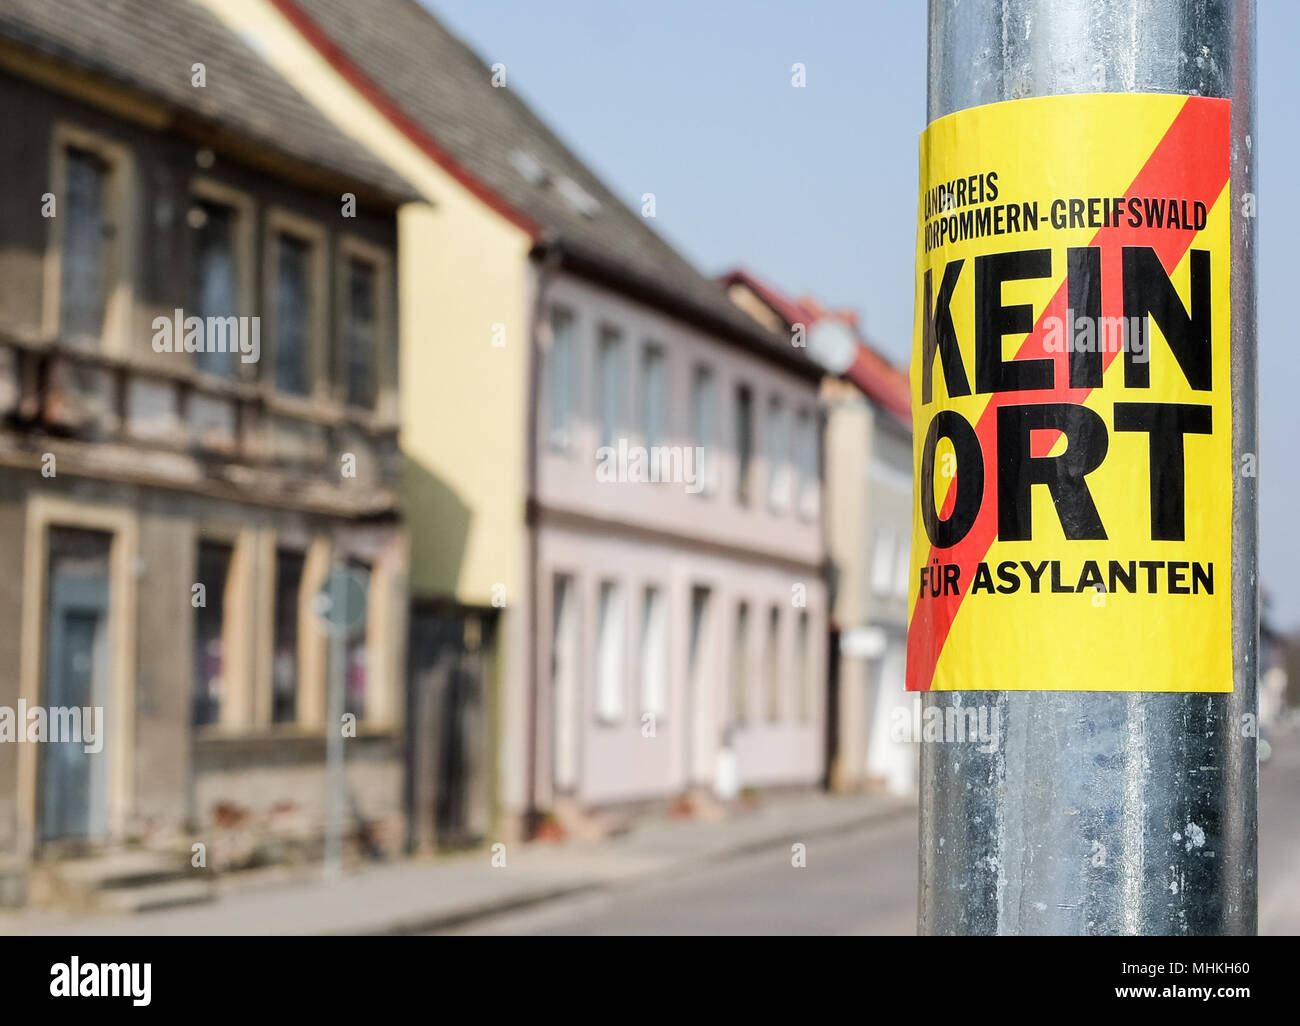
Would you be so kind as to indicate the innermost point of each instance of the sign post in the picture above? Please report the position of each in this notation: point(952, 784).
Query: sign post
point(1084, 599)
point(340, 604)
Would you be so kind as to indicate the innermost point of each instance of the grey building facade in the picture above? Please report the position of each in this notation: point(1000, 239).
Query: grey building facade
point(198, 400)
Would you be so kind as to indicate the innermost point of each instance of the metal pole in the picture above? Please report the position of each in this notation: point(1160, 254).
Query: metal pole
point(1071, 827)
point(338, 622)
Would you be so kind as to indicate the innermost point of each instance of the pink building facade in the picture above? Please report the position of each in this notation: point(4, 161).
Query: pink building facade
point(682, 622)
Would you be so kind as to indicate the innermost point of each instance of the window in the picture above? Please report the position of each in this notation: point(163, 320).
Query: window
point(902, 566)
point(284, 651)
point(808, 497)
point(609, 654)
point(82, 288)
point(803, 674)
point(778, 457)
point(610, 376)
point(744, 441)
point(654, 653)
point(359, 368)
point(882, 563)
point(564, 668)
point(773, 665)
point(359, 335)
point(356, 667)
point(293, 305)
point(89, 279)
point(209, 623)
point(215, 288)
point(654, 395)
point(696, 733)
point(561, 364)
point(703, 431)
point(740, 669)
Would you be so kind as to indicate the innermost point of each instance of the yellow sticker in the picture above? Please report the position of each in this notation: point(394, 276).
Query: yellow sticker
point(1072, 399)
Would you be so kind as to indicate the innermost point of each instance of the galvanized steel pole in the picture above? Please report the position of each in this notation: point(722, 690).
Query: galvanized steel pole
point(1079, 823)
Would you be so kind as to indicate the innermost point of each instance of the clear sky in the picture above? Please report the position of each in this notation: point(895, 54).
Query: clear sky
point(814, 189)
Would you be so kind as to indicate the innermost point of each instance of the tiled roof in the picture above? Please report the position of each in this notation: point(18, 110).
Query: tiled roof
point(150, 46)
point(439, 88)
point(877, 378)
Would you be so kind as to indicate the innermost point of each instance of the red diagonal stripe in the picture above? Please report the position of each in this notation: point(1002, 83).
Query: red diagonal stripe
point(1190, 161)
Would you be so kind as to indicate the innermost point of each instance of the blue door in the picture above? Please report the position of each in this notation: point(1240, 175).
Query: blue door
point(73, 785)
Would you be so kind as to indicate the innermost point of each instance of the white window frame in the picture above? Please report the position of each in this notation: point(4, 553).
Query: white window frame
point(653, 406)
point(808, 463)
point(704, 426)
point(610, 653)
point(776, 451)
point(566, 681)
point(561, 366)
point(803, 670)
point(654, 652)
point(741, 663)
point(772, 664)
point(744, 442)
point(610, 394)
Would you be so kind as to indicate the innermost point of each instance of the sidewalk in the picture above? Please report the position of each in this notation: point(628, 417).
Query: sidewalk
point(420, 895)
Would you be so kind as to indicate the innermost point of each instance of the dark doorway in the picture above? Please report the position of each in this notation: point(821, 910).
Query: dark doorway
point(452, 654)
point(832, 708)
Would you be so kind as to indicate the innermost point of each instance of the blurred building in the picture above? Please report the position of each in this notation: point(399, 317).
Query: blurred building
point(1277, 658)
point(198, 386)
point(581, 640)
point(869, 524)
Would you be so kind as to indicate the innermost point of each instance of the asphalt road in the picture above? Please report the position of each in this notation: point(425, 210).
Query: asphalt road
point(854, 883)
point(864, 882)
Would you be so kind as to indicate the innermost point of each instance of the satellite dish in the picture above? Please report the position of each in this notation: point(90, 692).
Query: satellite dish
point(832, 345)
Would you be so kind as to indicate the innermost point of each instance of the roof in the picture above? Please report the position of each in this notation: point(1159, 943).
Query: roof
point(878, 379)
point(440, 94)
point(150, 47)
